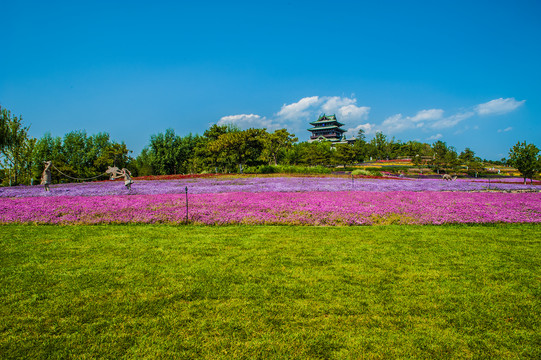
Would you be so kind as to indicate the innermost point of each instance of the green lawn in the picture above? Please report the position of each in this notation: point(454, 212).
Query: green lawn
point(252, 292)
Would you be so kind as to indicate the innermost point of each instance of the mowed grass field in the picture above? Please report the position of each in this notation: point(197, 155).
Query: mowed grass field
point(264, 292)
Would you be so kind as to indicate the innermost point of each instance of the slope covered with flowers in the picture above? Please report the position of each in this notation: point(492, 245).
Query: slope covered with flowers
point(253, 184)
point(274, 200)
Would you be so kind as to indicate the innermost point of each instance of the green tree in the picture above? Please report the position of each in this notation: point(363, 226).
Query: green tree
point(445, 157)
point(47, 148)
point(525, 158)
point(360, 147)
point(5, 133)
point(466, 156)
point(379, 146)
point(165, 148)
point(16, 149)
point(143, 162)
point(242, 147)
point(412, 148)
point(112, 154)
point(317, 153)
point(344, 154)
point(78, 155)
point(208, 156)
point(278, 141)
point(473, 163)
point(294, 155)
point(361, 135)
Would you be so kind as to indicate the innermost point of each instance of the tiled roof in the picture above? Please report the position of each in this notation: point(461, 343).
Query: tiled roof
point(326, 128)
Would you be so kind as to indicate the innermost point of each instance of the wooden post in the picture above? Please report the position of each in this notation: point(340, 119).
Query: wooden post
point(186, 204)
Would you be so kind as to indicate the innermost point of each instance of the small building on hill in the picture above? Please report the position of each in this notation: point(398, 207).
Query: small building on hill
point(328, 128)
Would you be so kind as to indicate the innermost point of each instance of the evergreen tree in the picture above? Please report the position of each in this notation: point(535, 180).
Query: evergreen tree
point(525, 158)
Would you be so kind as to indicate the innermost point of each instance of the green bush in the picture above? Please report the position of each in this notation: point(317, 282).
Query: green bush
point(395, 169)
point(286, 169)
point(261, 169)
point(347, 168)
point(291, 169)
point(366, 172)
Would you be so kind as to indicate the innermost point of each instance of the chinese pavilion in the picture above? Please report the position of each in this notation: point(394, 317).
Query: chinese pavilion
point(327, 128)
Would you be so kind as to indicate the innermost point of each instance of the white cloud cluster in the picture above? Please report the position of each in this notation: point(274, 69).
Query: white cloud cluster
point(367, 127)
point(434, 137)
point(498, 106)
point(398, 123)
point(434, 119)
point(246, 121)
point(344, 107)
point(297, 110)
point(296, 116)
point(451, 121)
point(428, 115)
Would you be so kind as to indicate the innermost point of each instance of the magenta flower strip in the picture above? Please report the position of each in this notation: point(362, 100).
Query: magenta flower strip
point(256, 184)
point(295, 208)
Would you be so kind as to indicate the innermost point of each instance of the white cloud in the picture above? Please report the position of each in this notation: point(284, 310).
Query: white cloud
point(505, 130)
point(428, 115)
point(331, 104)
point(246, 121)
point(498, 106)
point(344, 107)
point(368, 128)
point(296, 116)
point(299, 109)
point(451, 121)
point(398, 123)
point(434, 137)
point(353, 112)
point(311, 107)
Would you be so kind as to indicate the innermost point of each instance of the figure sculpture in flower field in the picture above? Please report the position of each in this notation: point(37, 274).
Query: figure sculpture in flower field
point(114, 172)
point(46, 177)
point(448, 177)
point(127, 177)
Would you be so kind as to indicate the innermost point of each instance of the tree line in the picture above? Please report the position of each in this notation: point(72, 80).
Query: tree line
point(76, 154)
point(221, 149)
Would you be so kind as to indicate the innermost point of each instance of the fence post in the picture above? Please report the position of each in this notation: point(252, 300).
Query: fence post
point(186, 205)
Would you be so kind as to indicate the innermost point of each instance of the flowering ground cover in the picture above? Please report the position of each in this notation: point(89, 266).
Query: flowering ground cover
point(273, 200)
point(507, 180)
point(293, 208)
point(175, 177)
point(253, 184)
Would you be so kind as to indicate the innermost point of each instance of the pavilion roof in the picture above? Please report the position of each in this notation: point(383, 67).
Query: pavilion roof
point(327, 119)
point(335, 127)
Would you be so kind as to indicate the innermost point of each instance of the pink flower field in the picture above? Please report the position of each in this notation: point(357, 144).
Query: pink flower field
point(270, 201)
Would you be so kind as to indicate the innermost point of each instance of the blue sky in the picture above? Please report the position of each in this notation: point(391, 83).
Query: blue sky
point(464, 72)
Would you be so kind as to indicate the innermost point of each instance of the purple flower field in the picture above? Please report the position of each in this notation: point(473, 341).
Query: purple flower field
point(258, 184)
point(273, 200)
point(297, 208)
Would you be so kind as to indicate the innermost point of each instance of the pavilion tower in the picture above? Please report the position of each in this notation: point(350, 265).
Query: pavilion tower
point(327, 128)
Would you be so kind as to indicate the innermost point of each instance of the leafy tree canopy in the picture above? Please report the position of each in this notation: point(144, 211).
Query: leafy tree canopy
point(525, 158)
